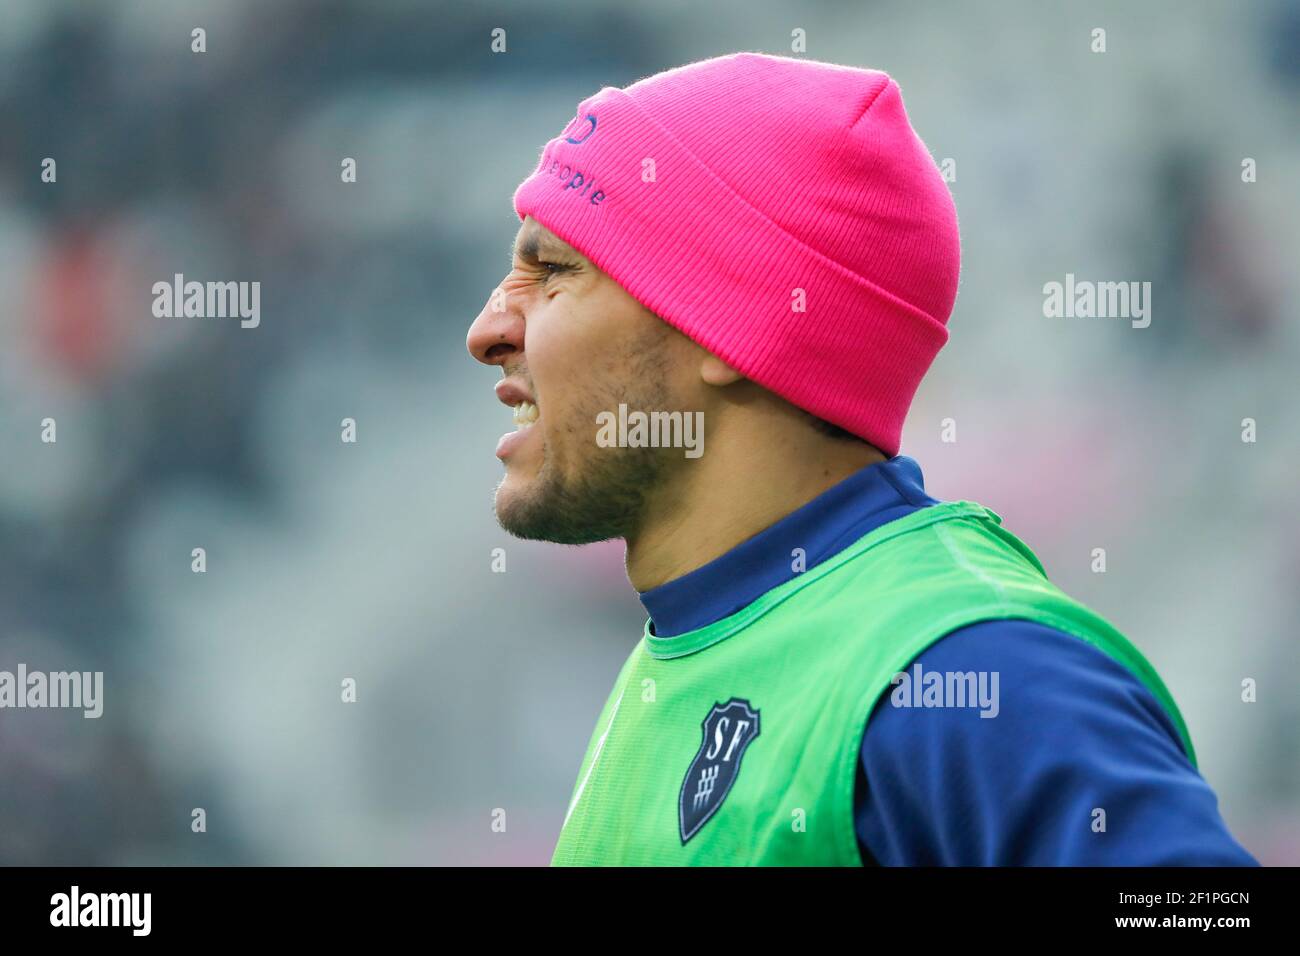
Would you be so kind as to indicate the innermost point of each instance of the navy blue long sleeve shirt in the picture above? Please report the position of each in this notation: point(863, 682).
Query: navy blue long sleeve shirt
point(1076, 731)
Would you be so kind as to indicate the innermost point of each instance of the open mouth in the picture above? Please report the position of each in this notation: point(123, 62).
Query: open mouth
point(523, 407)
point(525, 415)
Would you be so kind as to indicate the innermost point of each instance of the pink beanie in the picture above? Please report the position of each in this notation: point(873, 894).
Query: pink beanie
point(782, 213)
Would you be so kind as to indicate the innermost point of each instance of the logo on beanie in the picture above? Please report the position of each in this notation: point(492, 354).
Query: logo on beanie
point(582, 182)
point(590, 118)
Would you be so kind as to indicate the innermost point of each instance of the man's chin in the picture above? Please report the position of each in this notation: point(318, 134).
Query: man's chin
point(512, 505)
point(528, 509)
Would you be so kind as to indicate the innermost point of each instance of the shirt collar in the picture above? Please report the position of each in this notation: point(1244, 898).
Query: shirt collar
point(824, 526)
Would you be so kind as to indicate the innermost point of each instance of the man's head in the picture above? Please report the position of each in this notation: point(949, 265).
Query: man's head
point(573, 344)
point(682, 251)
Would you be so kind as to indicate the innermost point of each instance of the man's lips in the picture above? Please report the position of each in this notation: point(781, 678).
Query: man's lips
point(511, 442)
point(511, 392)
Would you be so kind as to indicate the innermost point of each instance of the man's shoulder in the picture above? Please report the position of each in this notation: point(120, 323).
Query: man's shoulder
point(1019, 775)
point(1039, 673)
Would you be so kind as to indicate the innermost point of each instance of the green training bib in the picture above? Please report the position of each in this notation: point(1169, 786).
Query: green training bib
point(737, 743)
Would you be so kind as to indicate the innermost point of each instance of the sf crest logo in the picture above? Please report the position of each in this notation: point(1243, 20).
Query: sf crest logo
point(728, 731)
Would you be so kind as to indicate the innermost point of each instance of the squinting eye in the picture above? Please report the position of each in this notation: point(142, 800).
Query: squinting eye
point(553, 268)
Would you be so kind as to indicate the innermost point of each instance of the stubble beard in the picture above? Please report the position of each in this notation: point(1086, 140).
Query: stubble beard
point(602, 492)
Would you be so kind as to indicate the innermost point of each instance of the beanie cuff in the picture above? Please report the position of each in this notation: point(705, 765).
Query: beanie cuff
point(689, 248)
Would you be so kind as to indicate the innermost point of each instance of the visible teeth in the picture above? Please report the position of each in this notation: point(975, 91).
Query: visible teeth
point(525, 414)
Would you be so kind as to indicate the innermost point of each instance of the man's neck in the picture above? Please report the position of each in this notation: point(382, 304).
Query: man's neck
point(733, 492)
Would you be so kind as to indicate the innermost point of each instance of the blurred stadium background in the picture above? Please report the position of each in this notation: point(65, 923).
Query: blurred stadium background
point(478, 690)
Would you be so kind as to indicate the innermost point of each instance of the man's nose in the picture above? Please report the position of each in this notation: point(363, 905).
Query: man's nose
point(497, 332)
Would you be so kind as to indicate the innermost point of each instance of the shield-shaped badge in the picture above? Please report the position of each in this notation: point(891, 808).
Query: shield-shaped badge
point(728, 730)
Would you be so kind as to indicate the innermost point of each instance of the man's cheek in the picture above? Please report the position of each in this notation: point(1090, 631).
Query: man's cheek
point(541, 348)
point(553, 372)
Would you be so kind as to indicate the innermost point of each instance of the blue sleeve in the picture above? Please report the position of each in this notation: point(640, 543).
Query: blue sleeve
point(1074, 730)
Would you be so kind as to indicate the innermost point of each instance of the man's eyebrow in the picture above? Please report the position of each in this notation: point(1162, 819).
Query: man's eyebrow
point(531, 243)
point(525, 247)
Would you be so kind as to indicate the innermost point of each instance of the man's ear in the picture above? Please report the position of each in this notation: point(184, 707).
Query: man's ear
point(714, 371)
